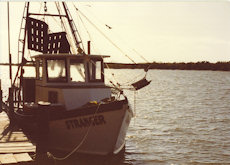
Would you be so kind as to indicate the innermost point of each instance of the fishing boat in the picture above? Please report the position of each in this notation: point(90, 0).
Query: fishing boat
point(73, 111)
point(66, 106)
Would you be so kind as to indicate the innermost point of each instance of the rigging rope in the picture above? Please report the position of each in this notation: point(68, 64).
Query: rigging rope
point(87, 31)
point(82, 141)
point(104, 35)
point(65, 28)
point(117, 87)
point(109, 27)
point(142, 57)
point(74, 29)
point(135, 51)
point(59, 12)
point(85, 27)
point(90, 37)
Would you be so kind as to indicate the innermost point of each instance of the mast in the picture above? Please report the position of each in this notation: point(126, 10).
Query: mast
point(73, 28)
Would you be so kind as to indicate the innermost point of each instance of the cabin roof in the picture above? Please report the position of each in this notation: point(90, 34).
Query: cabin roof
point(77, 56)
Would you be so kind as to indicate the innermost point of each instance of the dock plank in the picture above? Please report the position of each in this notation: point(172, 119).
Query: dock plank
point(18, 149)
point(14, 137)
point(24, 157)
point(7, 159)
point(14, 145)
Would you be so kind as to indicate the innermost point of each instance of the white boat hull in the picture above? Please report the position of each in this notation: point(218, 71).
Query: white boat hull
point(102, 133)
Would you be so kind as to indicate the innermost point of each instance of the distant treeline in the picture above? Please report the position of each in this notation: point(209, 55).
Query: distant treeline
point(204, 65)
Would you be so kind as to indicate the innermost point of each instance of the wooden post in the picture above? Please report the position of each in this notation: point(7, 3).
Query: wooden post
point(11, 106)
point(88, 47)
point(10, 60)
point(0, 96)
point(42, 130)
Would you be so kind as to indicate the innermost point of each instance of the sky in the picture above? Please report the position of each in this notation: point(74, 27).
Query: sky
point(161, 31)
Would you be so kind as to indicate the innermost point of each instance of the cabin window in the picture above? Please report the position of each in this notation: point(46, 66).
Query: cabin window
point(39, 69)
point(77, 70)
point(96, 71)
point(56, 70)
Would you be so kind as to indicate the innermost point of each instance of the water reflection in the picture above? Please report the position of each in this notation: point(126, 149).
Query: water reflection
point(84, 159)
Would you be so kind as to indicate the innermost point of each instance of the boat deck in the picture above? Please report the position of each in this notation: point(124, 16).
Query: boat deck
point(14, 145)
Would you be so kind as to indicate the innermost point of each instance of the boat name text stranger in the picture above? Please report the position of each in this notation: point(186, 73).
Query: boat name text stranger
point(85, 122)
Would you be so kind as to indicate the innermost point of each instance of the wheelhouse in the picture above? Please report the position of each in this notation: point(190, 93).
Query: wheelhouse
point(68, 69)
point(70, 80)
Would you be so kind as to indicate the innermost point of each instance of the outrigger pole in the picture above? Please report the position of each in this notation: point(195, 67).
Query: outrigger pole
point(23, 46)
point(11, 109)
point(10, 61)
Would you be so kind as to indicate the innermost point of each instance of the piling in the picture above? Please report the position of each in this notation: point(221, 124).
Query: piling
point(0, 96)
point(88, 47)
point(42, 130)
point(0, 101)
point(11, 107)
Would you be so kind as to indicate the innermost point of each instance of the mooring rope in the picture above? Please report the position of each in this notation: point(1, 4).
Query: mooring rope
point(82, 141)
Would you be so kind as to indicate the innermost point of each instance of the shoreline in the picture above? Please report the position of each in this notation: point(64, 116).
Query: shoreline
point(204, 65)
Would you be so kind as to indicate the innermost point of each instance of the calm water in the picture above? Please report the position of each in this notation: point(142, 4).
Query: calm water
point(182, 117)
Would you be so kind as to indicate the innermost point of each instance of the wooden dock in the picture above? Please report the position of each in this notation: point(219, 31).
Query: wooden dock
point(15, 148)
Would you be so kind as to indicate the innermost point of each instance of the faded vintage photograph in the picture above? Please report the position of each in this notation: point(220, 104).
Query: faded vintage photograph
point(115, 82)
